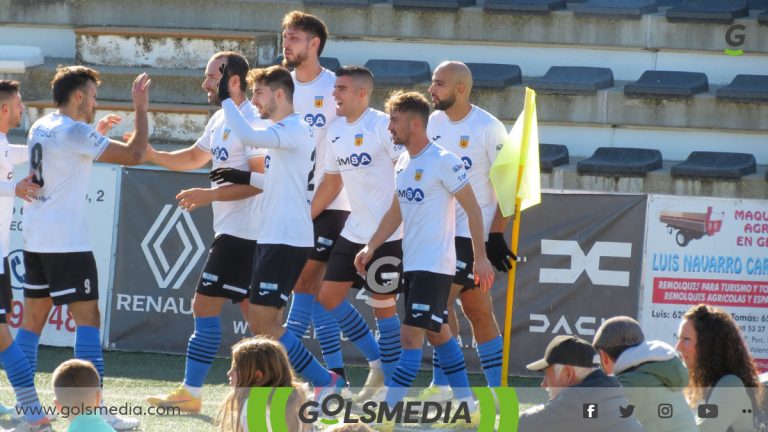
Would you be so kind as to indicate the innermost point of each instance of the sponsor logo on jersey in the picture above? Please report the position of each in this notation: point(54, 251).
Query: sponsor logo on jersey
point(324, 241)
point(411, 194)
point(358, 140)
point(457, 168)
point(355, 160)
point(210, 277)
point(226, 133)
point(419, 174)
point(315, 120)
point(467, 162)
point(267, 287)
point(420, 307)
point(464, 141)
point(318, 101)
point(220, 153)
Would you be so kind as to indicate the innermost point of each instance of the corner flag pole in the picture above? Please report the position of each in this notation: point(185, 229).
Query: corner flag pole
point(528, 112)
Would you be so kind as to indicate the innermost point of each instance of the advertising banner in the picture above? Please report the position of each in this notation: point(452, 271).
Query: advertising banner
point(707, 250)
point(582, 258)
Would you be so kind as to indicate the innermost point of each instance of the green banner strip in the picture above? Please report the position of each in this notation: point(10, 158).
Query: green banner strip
point(509, 408)
point(487, 408)
point(257, 408)
point(277, 409)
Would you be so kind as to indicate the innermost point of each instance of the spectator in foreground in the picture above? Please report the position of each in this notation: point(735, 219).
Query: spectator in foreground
point(581, 396)
point(720, 370)
point(77, 395)
point(650, 372)
point(258, 362)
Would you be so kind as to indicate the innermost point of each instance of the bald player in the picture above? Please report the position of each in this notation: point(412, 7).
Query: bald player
point(476, 137)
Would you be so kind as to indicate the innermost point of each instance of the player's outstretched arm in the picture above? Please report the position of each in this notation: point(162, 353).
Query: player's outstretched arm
point(259, 138)
point(190, 158)
point(389, 223)
point(326, 192)
point(482, 269)
point(240, 181)
point(134, 151)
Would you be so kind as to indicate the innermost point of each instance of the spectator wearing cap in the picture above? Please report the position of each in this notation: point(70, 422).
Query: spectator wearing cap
point(652, 375)
point(581, 396)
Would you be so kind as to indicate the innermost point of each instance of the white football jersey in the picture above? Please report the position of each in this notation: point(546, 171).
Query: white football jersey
point(425, 187)
point(314, 101)
point(363, 154)
point(10, 155)
point(61, 155)
point(229, 217)
point(477, 140)
point(285, 211)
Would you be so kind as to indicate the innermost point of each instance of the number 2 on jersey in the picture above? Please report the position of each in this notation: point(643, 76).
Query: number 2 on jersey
point(36, 163)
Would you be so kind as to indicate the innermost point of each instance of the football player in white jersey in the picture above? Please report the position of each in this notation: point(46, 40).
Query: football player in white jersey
point(476, 137)
point(58, 258)
point(360, 156)
point(304, 37)
point(430, 180)
point(11, 355)
point(284, 238)
point(227, 271)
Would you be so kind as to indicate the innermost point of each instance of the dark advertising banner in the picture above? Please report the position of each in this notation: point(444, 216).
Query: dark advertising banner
point(161, 250)
point(582, 264)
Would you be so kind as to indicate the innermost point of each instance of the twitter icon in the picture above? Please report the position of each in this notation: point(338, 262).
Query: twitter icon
point(626, 411)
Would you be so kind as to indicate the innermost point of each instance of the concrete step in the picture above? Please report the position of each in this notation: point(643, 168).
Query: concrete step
point(169, 85)
point(562, 27)
point(169, 47)
point(168, 123)
point(17, 58)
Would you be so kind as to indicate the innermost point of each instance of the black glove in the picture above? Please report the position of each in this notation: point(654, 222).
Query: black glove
point(223, 83)
point(230, 175)
point(498, 252)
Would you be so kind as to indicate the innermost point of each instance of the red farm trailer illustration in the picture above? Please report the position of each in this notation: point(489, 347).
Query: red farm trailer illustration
point(692, 226)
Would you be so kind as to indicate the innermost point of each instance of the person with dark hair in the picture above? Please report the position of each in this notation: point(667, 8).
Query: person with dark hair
point(582, 397)
point(360, 156)
point(284, 236)
point(720, 369)
point(304, 38)
point(429, 181)
point(476, 137)
point(58, 258)
point(650, 372)
point(227, 271)
point(11, 356)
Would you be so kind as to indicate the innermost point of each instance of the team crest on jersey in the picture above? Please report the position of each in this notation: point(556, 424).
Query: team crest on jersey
point(318, 101)
point(226, 133)
point(464, 141)
point(419, 174)
point(358, 140)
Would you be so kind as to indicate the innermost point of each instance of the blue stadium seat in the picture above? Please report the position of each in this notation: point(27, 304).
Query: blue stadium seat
point(524, 6)
point(631, 9)
point(330, 63)
point(552, 155)
point(665, 84)
point(399, 72)
point(433, 4)
point(745, 88)
point(720, 165)
point(573, 80)
point(493, 75)
point(758, 4)
point(713, 11)
point(361, 3)
point(619, 161)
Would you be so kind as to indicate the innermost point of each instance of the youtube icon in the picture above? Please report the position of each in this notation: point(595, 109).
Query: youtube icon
point(708, 411)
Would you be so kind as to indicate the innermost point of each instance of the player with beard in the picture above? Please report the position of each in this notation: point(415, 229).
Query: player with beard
point(227, 271)
point(58, 258)
point(11, 356)
point(429, 182)
point(285, 230)
point(304, 37)
point(476, 137)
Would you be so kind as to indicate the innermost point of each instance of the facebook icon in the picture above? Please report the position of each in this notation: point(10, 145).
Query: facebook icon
point(590, 410)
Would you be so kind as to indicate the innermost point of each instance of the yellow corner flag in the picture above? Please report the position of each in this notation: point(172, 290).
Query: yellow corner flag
point(516, 173)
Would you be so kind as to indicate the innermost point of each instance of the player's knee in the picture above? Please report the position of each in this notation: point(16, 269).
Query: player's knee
point(5, 337)
point(86, 313)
